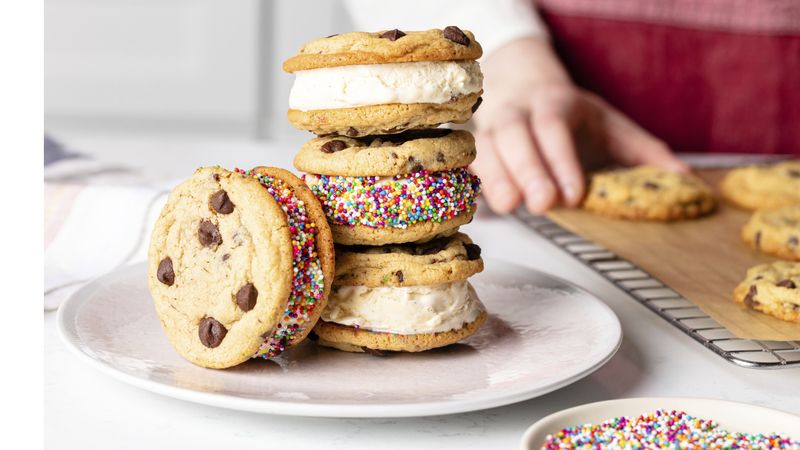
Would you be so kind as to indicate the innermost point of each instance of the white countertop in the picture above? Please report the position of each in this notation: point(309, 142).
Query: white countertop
point(86, 409)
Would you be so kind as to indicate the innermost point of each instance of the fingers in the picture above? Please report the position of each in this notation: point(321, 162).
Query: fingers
point(632, 145)
point(554, 136)
point(518, 152)
point(496, 184)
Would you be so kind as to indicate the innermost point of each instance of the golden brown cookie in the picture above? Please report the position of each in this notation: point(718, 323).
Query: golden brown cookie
point(757, 187)
point(384, 118)
point(222, 271)
point(648, 193)
point(442, 260)
point(385, 47)
point(775, 231)
point(387, 155)
point(773, 289)
point(358, 340)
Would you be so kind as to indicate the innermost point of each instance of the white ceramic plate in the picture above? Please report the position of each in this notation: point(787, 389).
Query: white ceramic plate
point(542, 334)
point(731, 416)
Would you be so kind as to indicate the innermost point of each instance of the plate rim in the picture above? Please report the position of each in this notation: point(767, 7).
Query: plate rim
point(543, 424)
point(71, 340)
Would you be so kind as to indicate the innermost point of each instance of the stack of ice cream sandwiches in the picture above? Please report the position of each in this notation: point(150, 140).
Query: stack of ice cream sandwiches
point(393, 186)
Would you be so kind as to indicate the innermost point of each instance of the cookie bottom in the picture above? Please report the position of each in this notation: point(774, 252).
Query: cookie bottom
point(789, 312)
point(384, 119)
point(419, 232)
point(357, 340)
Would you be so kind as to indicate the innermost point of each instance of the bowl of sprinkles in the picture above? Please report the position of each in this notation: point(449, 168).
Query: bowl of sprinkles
point(665, 423)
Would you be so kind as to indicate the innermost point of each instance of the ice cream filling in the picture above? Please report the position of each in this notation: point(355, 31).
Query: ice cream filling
point(377, 84)
point(404, 310)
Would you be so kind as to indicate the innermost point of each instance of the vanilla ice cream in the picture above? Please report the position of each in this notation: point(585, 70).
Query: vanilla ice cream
point(404, 310)
point(376, 84)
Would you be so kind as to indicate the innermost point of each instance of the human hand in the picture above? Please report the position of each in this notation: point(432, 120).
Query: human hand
point(535, 128)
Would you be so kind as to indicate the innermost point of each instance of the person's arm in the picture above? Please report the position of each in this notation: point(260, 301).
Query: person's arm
point(494, 23)
point(528, 124)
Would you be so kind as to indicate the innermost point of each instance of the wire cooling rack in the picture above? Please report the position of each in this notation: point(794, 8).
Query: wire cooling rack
point(665, 302)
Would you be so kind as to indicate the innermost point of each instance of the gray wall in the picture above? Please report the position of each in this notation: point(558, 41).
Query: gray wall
point(175, 66)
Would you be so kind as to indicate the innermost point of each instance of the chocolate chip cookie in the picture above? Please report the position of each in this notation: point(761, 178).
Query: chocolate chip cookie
point(773, 289)
point(775, 231)
point(757, 187)
point(648, 193)
point(387, 155)
point(240, 265)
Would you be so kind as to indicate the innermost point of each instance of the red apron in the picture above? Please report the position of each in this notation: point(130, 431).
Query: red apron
point(703, 75)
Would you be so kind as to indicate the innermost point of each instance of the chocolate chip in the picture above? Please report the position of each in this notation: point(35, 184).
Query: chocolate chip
point(473, 251)
point(757, 239)
point(226, 256)
point(392, 35)
point(246, 297)
point(352, 132)
point(455, 34)
point(432, 247)
point(208, 234)
point(787, 283)
point(477, 104)
point(216, 177)
point(333, 146)
point(440, 157)
point(332, 35)
point(649, 185)
point(792, 241)
point(399, 275)
point(750, 298)
point(165, 274)
point(221, 203)
point(313, 336)
point(794, 173)
point(394, 155)
point(415, 165)
point(602, 193)
point(372, 351)
point(211, 332)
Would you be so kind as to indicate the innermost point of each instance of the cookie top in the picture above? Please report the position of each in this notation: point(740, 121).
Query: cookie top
point(756, 187)
point(220, 267)
point(775, 231)
point(648, 193)
point(387, 155)
point(443, 260)
point(382, 47)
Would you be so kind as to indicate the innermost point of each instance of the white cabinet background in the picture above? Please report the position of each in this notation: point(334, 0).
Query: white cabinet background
point(201, 66)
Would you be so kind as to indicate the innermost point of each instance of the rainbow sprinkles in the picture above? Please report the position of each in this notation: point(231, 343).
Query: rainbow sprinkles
point(307, 275)
point(658, 430)
point(398, 201)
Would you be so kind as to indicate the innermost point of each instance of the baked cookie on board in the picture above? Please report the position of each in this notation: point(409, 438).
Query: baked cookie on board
point(775, 231)
point(393, 80)
point(407, 298)
point(757, 187)
point(648, 193)
point(773, 289)
point(240, 265)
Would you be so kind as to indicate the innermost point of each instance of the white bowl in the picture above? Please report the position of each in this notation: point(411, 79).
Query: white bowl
point(731, 416)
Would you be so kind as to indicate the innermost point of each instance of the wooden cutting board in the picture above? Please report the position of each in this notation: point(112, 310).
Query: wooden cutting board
point(701, 259)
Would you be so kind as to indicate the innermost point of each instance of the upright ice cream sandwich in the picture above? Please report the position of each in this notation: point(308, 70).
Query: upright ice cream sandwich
point(240, 265)
point(358, 84)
